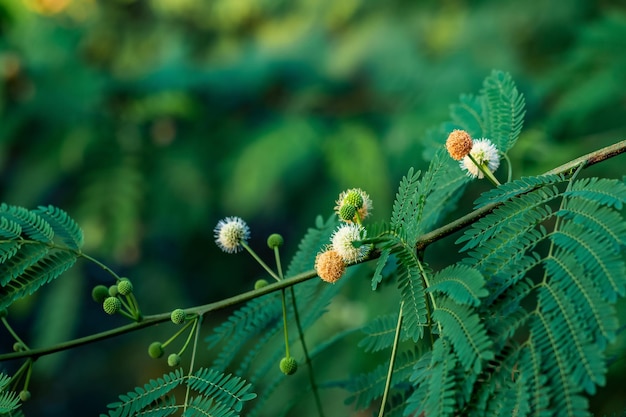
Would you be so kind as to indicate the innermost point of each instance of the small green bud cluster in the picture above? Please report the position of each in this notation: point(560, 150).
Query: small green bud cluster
point(117, 298)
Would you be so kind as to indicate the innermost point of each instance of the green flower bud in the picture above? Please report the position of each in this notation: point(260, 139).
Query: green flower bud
point(288, 366)
point(347, 212)
point(155, 350)
point(178, 316)
point(19, 347)
point(260, 284)
point(173, 360)
point(125, 287)
point(99, 293)
point(275, 240)
point(113, 291)
point(111, 305)
point(4, 312)
point(24, 395)
point(354, 197)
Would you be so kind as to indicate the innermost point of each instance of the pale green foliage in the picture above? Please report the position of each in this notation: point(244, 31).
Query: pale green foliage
point(9, 400)
point(219, 395)
point(37, 247)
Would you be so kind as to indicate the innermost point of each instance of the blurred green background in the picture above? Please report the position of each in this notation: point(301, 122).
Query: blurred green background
point(149, 120)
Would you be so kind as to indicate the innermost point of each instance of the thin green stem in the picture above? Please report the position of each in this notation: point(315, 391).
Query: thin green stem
point(12, 332)
point(97, 262)
point(392, 361)
point(260, 261)
point(178, 333)
point(509, 176)
point(193, 359)
point(282, 293)
point(191, 332)
point(485, 170)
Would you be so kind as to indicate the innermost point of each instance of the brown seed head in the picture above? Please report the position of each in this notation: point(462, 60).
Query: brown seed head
point(329, 266)
point(459, 144)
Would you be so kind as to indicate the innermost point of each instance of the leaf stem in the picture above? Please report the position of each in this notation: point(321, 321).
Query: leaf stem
point(193, 359)
point(392, 360)
point(260, 261)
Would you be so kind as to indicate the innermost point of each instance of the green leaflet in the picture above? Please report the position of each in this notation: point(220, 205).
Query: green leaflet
point(9, 400)
point(36, 247)
point(573, 279)
point(220, 395)
point(435, 379)
point(141, 398)
point(380, 333)
point(460, 283)
point(462, 327)
point(504, 108)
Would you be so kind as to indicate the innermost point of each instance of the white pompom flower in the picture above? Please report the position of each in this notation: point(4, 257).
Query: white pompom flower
point(343, 240)
point(231, 233)
point(484, 153)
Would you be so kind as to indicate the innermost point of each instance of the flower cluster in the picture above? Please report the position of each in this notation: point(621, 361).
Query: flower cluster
point(479, 158)
point(352, 207)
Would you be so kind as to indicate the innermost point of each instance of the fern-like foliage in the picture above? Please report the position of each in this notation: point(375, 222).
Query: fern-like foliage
point(566, 308)
point(9, 400)
point(36, 246)
point(219, 395)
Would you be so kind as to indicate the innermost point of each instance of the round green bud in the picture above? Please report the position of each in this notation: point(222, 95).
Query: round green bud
point(19, 347)
point(113, 291)
point(125, 287)
point(260, 284)
point(288, 366)
point(354, 198)
point(347, 212)
point(275, 241)
point(4, 312)
point(173, 360)
point(111, 305)
point(24, 395)
point(178, 316)
point(99, 293)
point(155, 350)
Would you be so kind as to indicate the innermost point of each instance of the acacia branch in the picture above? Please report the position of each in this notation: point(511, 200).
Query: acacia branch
point(424, 240)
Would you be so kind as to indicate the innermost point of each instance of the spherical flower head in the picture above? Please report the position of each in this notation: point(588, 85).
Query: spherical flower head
point(343, 243)
point(155, 350)
point(288, 366)
point(173, 360)
point(329, 266)
point(230, 233)
point(125, 287)
point(485, 153)
point(99, 293)
point(357, 198)
point(459, 144)
point(275, 241)
point(347, 212)
point(24, 395)
point(111, 305)
point(178, 316)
